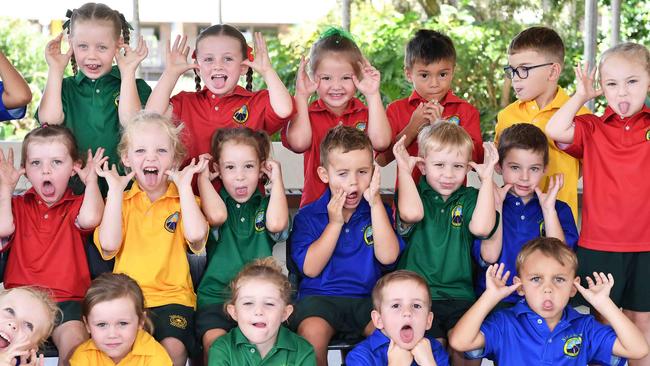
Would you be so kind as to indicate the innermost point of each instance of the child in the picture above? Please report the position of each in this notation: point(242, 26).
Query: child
point(401, 314)
point(254, 222)
point(221, 57)
point(440, 217)
point(429, 63)
point(535, 61)
point(14, 91)
point(46, 227)
point(341, 243)
point(337, 70)
point(542, 329)
point(157, 220)
point(615, 152)
point(114, 314)
point(526, 212)
point(96, 100)
point(26, 320)
point(259, 303)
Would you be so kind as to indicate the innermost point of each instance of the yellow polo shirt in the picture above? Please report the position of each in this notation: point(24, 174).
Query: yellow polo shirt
point(146, 351)
point(559, 161)
point(153, 250)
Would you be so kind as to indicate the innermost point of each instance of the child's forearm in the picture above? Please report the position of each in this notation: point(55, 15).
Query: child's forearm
point(379, 130)
point(130, 103)
point(7, 226)
point(110, 229)
point(560, 127)
point(552, 225)
point(195, 226)
point(159, 99)
point(409, 203)
point(213, 207)
point(484, 216)
point(92, 207)
point(299, 132)
point(466, 334)
point(277, 212)
point(51, 108)
point(386, 245)
point(16, 91)
point(320, 251)
point(491, 248)
point(630, 342)
point(279, 97)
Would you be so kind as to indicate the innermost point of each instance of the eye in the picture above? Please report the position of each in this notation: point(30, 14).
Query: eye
point(139, 151)
point(424, 75)
point(535, 169)
point(611, 83)
point(363, 172)
point(247, 303)
point(632, 81)
point(10, 311)
point(444, 74)
point(269, 304)
point(560, 279)
point(162, 151)
point(326, 78)
point(34, 163)
point(83, 46)
point(535, 279)
point(417, 306)
point(343, 174)
point(101, 325)
point(208, 59)
point(29, 326)
point(395, 306)
point(229, 167)
point(249, 166)
point(103, 48)
point(459, 166)
point(57, 162)
point(347, 77)
point(228, 59)
point(438, 165)
point(514, 167)
point(124, 324)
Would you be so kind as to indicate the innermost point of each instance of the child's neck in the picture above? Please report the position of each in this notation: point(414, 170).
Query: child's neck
point(347, 213)
point(156, 193)
point(546, 98)
point(337, 111)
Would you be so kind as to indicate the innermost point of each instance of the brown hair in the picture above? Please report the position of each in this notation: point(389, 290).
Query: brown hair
point(266, 269)
point(345, 138)
point(399, 275)
point(258, 140)
point(98, 12)
point(543, 40)
point(550, 247)
point(444, 135)
point(631, 51)
point(44, 297)
point(229, 31)
point(110, 286)
point(524, 136)
point(165, 123)
point(339, 46)
point(49, 133)
point(427, 47)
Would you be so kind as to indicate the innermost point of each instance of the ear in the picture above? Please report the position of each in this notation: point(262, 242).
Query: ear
point(421, 166)
point(408, 74)
point(120, 41)
point(86, 324)
point(141, 322)
point(520, 289)
point(288, 310)
point(77, 164)
point(243, 70)
point(556, 71)
point(230, 308)
point(376, 319)
point(497, 168)
point(574, 289)
point(322, 174)
point(125, 160)
point(429, 320)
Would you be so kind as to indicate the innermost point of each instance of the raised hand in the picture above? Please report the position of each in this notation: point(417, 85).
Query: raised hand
point(398, 356)
point(335, 207)
point(432, 111)
point(261, 63)
point(206, 173)
point(9, 175)
point(490, 159)
point(371, 194)
point(176, 59)
point(305, 87)
point(598, 290)
point(547, 200)
point(422, 353)
point(272, 170)
point(500, 194)
point(129, 60)
point(53, 55)
point(585, 87)
point(405, 161)
point(88, 174)
point(183, 177)
point(369, 84)
point(31, 359)
point(113, 178)
point(495, 282)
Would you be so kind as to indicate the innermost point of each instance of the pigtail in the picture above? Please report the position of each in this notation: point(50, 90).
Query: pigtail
point(67, 25)
point(197, 80)
point(126, 27)
point(249, 79)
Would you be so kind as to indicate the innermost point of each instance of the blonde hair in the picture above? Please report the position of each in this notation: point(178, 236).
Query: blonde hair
point(133, 126)
point(550, 247)
point(399, 275)
point(631, 51)
point(443, 135)
point(52, 311)
point(266, 269)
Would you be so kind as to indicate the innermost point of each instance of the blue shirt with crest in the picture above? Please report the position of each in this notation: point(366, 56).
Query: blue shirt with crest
point(373, 351)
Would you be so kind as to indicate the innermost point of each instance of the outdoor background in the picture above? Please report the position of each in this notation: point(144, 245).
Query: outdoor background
point(481, 31)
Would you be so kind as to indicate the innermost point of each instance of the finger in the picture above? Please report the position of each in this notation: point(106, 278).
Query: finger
point(183, 44)
point(355, 80)
point(177, 40)
point(590, 282)
point(505, 276)
point(10, 156)
point(610, 278)
point(499, 272)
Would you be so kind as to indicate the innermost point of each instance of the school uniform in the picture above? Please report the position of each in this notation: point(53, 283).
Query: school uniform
point(8, 114)
point(322, 120)
point(519, 336)
point(373, 351)
point(559, 161)
point(145, 352)
point(522, 222)
point(234, 349)
point(456, 110)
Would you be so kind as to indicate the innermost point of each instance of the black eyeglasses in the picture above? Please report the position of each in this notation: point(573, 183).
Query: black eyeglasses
point(521, 71)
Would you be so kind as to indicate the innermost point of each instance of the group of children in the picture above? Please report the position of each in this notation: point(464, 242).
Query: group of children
point(407, 281)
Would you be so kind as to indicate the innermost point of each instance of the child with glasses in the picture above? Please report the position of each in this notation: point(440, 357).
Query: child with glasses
point(535, 61)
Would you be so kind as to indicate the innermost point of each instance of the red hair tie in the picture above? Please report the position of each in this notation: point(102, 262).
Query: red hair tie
point(194, 55)
point(249, 53)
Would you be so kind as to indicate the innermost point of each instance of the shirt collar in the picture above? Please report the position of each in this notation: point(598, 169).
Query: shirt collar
point(610, 115)
point(377, 340)
point(67, 196)
point(561, 97)
point(283, 341)
point(511, 199)
point(141, 346)
point(115, 73)
point(255, 199)
point(415, 98)
point(172, 191)
point(237, 91)
point(568, 314)
point(354, 105)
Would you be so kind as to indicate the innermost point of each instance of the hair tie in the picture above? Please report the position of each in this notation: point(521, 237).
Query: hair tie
point(68, 14)
point(45, 125)
point(194, 55)
point(333, 31)
point(249, 53)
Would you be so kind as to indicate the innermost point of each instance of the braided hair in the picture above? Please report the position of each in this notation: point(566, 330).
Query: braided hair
point(97, 11)
point(230, 31)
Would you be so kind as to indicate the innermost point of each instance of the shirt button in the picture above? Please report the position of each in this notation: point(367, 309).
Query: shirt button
point(45, 216)
point(442, 210)
point(516, 203)
point(97, 91)
point(252, 350)
point(539, 321)
point(340, 122)
point(550, 340)
point(627, 128)
point(238, 205)
point(216, 107)
point(243, 219)
point(347, 230)
point(523, 217)
point(213, 96)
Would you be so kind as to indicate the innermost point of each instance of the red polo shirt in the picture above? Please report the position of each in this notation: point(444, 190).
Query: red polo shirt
point(47, 247)
point(615, 156)
point(322, 119)
point(455, 110)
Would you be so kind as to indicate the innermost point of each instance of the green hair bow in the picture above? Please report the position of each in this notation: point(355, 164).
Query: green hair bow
point(333, 31)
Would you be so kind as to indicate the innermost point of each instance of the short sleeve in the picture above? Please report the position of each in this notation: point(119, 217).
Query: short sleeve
point(401, 242)
point(8, 114)
point(272, 122)
point(282, 235)
point(565, 215)
point(303, 235)
point(584, 127)
point(306, 355)
point(144, 91)
point(219, 354)
point(393, 120)
point(360, 356)
point(471, 123)
point(476, 254)
point(600, 340)
point(439, 353)
point(492, 329)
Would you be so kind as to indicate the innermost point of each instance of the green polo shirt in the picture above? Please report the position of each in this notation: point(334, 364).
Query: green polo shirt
point(439, 246)
point(234, 349)
point(241, 239)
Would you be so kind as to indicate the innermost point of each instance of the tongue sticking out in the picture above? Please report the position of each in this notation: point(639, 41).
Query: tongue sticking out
point(406, 334)
point(624, 107)
point(547, 305)
point(241, 191)
point(3, 343)
point(47, 189)
point(219, 81)
point(151, 178)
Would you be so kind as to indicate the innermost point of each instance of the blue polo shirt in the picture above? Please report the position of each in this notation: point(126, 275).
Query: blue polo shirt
point(353, 269)
point(7, 114)
point(521, 223)
point(373, 351)
point(518, 336)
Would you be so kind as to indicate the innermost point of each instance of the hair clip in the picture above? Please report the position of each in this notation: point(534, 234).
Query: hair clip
point(194, 55)
point(68, 14)
point(333, 31)
point(249, 53)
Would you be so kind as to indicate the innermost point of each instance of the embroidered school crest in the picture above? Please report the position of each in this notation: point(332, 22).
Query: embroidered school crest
point(178, 321)
point(647, 135)
point(116, 99)
point(172, 221)
point(457, 215)
point(259, 221)
point(454, 119)
point(361, 125)
point(241, 115)
point(542, 229)
point(572, 346)
point(367, 235)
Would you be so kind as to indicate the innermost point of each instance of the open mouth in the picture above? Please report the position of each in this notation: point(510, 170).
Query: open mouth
point(47, 189)
point(241, 191)
point(150, 176)
point(219, 80)
point(93, 67)
point(259, 325)
point(351, 198)
point(547, 305)
point(624, 107)
point(5, 341)
point(406, 334)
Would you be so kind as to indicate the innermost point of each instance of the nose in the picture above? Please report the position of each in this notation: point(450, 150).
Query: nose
point(622, 90)
point(12, 325)
point(524, 174)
